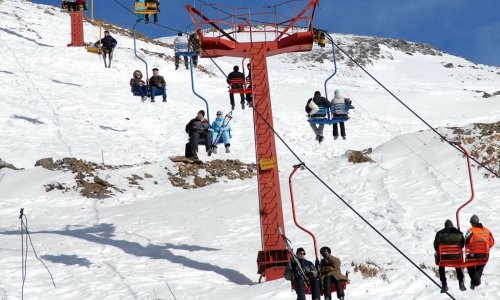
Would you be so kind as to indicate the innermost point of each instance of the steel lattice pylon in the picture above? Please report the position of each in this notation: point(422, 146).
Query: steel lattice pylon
point(248, 37)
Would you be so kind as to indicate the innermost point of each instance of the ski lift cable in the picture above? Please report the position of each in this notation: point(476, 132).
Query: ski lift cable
point(427, 163)
point(344, 201)
point(413, 112)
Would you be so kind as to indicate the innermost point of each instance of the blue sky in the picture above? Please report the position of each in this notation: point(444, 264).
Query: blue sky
point(467, 28)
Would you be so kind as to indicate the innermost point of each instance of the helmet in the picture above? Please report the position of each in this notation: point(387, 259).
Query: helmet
point(474, 219)
point(220, 113)
point(325, 250)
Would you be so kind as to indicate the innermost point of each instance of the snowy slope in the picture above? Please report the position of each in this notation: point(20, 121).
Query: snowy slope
point(202, 243)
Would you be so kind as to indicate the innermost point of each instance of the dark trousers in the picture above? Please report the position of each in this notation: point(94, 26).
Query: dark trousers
point(195, 60)
point(186, 62)
point(195, 136)
point(155, 18)
point(475, 274)
point(155, 91)
point(231, 99)
point(327, 287)
point(336, 130)
point(300, 288)
point(442, 275)
point(140, 90)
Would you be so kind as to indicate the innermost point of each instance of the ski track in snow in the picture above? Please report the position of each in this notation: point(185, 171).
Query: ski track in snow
point(202, 243)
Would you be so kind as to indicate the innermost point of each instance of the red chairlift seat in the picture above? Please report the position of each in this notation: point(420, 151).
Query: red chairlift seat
point(344, 283)
point(239, 86)
point(452, 255)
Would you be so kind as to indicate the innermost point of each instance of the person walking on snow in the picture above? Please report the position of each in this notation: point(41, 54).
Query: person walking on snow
point(478, 233)
point(449, 235)
point(217, 127)
point(108, 44)
point(312, 107)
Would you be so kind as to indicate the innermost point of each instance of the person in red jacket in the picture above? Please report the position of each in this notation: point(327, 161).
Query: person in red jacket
point(478, 233)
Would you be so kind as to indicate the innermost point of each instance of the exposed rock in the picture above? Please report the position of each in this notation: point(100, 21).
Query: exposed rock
point(212, 172)
point(356, 156)
point(46, 163)
point(146, 175)
point(56, 186)
point(449, 65)
point(4, 164)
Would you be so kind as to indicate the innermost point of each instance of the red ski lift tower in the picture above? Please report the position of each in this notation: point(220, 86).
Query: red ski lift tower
point(76, 28)
point(235, 32)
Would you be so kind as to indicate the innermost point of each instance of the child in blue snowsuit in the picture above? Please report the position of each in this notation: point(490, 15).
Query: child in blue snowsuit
point(217, 128)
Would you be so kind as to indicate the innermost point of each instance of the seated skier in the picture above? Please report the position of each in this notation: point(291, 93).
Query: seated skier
point(220, 132)
point(138, 86)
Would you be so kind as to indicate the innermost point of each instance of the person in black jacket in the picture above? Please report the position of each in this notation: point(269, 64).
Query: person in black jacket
point(249, 80)
point(108, 44)
point(138, 86)
point(294, 273)
point(236, 74)
point(198, 128)
point(312, 106)
point(158, 85)
point(449, 235)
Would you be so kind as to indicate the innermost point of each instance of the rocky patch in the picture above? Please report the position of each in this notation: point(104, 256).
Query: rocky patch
point(4, 164)
point(190, 175)
point(482, 140)
point(356, 157)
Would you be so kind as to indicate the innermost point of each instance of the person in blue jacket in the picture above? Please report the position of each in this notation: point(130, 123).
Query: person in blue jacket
point(218, 126)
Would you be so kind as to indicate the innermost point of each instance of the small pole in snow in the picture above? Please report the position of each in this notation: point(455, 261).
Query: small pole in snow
point(102, 156)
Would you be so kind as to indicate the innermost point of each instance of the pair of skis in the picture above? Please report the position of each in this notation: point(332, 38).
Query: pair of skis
point(295, 259)
point(227, 118)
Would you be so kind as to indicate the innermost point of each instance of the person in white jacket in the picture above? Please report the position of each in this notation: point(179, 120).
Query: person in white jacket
point(338, 100)
point(180, 43)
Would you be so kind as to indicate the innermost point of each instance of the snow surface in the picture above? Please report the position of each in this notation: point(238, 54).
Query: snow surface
point(58, 101)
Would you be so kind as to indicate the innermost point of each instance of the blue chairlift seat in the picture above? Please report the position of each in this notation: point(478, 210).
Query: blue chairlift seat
point(182, 49)
point(330, 115)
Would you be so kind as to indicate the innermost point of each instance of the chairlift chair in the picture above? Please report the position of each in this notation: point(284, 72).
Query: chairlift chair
point(145, 8)
point(476, 253)
point(239, 86)
point(330, 115)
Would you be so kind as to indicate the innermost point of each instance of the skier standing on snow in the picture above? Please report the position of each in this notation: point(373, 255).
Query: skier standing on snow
point(330, 273)
point(158, 85)
point(198, 128)
point(108, 44)
point(478, 233)
point(293, 273)
point(217, 129)
point(312, 107)
point(449, 235)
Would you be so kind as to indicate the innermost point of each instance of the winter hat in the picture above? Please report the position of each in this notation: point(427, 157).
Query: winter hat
point(325, 249)
point(202, 112)
point(338, 94)
point(317, 94)
point(300, 249)
point(474, 219)
point(236, 68)
point(155, 69)
point(220, 113)
point(179, 34)
point(448, 224)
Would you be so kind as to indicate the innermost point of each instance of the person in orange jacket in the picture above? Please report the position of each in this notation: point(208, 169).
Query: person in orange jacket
point(478, 233)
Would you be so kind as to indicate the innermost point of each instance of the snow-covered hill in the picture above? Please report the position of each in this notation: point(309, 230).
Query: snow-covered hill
point(153, 240)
